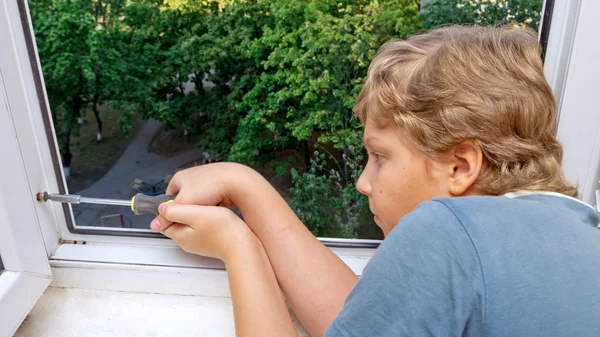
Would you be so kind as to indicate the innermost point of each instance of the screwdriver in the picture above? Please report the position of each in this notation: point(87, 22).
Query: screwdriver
point(140, 203)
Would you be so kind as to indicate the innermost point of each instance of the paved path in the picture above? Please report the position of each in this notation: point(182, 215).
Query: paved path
point(136, 162)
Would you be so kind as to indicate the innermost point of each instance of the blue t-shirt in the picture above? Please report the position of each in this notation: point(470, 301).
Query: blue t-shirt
point(482, 267)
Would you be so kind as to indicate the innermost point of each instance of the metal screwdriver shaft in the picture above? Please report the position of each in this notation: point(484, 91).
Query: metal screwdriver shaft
point(140, 203)
point(77, 199)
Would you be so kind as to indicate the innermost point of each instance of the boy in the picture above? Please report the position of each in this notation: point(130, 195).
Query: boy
point(483, 235)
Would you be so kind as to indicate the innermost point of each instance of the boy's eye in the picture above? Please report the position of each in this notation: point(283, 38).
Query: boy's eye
point(376, 156)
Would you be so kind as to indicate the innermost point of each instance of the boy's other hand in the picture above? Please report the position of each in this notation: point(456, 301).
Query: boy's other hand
point(209, 185)
point(204, 230)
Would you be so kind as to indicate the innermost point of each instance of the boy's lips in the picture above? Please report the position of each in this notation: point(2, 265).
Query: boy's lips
point(375, 217)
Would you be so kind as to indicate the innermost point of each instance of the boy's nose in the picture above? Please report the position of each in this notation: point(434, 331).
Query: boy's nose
point(363, 185)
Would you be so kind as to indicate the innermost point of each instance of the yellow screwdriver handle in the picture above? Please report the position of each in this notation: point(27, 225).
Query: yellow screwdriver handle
point(145, 204)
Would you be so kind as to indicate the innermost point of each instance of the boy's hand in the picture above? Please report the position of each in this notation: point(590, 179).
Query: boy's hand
point(258, 305)
point(272, 227)
point(209, 185)
point(204, 230)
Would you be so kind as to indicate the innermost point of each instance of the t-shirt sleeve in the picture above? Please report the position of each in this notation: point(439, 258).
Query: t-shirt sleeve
point(424, 280)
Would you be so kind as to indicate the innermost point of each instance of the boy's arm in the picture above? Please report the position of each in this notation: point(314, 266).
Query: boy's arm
point(259, 308)
point(315, 281)
point(258, 305)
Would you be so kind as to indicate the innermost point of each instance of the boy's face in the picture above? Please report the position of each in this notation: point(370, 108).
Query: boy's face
point(398, 177)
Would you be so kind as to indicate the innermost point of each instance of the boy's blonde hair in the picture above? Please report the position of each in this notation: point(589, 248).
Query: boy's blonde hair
point(472, 83)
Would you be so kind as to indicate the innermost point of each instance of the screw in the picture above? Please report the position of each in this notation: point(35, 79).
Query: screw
point(41, 196)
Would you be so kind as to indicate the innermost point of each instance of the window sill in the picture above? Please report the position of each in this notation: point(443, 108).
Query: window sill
point(73, 312)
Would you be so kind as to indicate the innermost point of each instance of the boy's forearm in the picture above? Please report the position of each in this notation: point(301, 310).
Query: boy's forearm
point(259, 308)
point(315, 281)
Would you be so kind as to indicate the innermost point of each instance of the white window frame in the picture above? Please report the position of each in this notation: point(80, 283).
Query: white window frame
point(36, 244)
point(27, 270)
point(573, 70)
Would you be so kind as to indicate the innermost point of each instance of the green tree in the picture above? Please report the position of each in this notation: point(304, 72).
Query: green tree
point(78, 42)
point(138, 43)
point(158, 79)
point(62, 31)
point(521, 12)
point(220, 52)
point(314, 58)
point(105, 54)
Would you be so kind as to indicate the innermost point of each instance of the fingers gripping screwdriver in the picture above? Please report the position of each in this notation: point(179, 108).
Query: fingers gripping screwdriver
point(140, 203)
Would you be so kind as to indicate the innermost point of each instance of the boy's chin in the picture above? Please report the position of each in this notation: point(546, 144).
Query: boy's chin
point(384, 228)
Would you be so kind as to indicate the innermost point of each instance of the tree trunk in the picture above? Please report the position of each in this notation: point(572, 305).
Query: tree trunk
point(98, 120)
point(306, 155)
point(67, 156)
point(96, 99)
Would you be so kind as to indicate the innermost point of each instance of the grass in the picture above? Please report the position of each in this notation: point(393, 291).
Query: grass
point(92, 159)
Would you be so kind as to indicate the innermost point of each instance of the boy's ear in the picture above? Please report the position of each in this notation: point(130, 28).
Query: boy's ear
point(466, 164)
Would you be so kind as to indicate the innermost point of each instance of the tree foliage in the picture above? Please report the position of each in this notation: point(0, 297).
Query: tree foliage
point(484, 12)
point(63, 29)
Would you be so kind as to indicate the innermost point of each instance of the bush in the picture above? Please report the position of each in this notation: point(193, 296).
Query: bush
point(326, 199)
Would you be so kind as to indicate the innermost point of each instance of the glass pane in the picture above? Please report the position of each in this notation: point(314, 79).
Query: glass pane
point(140, 89)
